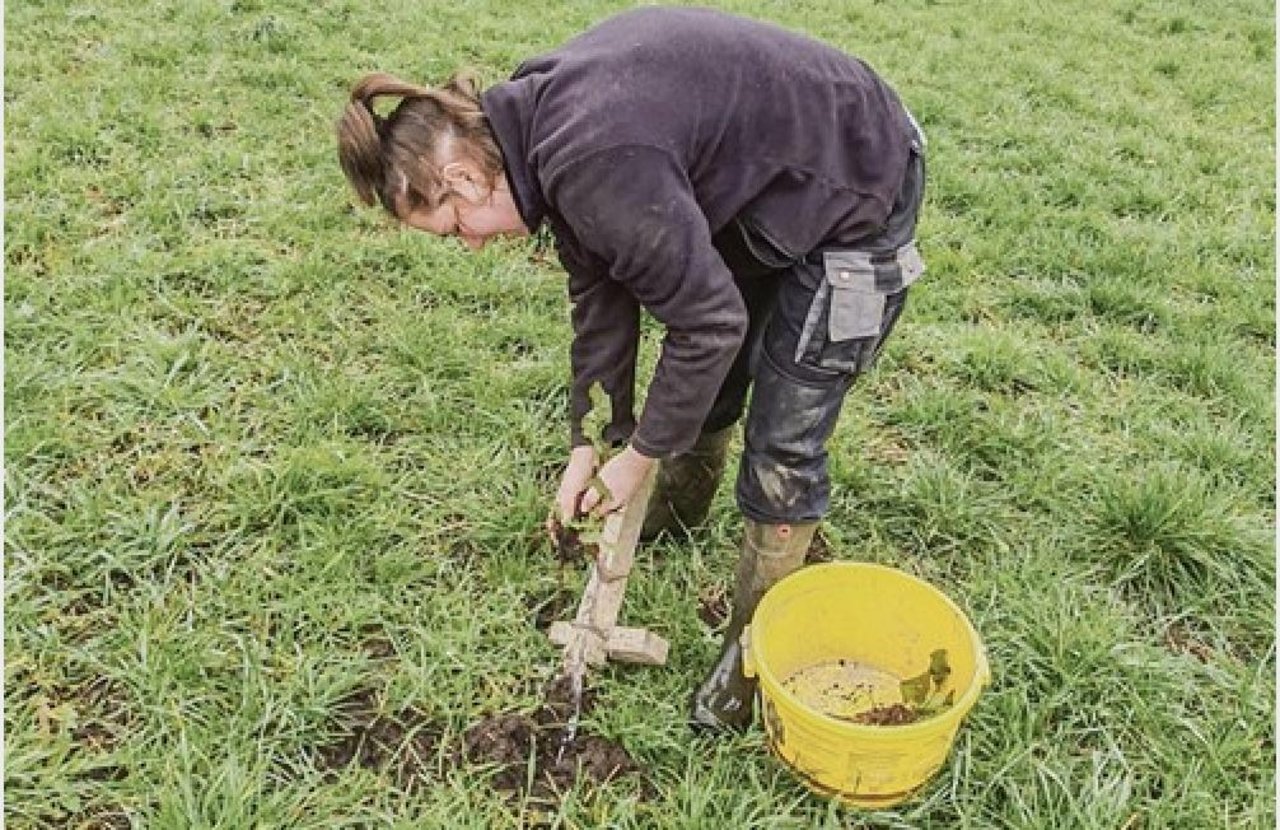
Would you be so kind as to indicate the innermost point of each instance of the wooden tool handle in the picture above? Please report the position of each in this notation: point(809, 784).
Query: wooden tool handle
point(622, 531)
point(602, 599)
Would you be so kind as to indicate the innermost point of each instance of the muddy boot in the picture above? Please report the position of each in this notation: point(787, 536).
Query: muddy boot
point(725, 699)
point(685, 486)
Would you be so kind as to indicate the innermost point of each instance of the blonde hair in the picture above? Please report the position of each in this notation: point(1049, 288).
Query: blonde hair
point(386, 157)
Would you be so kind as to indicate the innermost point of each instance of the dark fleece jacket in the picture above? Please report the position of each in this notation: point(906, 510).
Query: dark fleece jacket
point(642, 138)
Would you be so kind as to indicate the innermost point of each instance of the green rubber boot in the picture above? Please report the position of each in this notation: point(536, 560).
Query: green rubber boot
point(726, 699)
point(685, 485)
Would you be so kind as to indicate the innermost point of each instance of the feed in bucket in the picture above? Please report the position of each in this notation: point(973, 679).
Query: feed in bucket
point(865, 674)
point(852, 691)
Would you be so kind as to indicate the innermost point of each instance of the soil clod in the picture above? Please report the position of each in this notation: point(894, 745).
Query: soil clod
point(375, 643)
point(567, 541)
point(508, 740)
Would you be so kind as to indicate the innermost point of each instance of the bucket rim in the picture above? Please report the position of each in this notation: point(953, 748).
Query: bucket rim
point(955, 713)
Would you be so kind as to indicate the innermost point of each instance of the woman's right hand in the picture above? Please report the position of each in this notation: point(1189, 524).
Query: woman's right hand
point(577, 476)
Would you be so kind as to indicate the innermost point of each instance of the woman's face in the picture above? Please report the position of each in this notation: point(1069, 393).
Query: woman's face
point(471, 211)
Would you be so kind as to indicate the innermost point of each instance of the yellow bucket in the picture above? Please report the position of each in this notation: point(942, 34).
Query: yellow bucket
point(887, 622)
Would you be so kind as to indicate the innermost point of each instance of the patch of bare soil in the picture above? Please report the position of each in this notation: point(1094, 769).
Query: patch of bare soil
point(101, 818)
point(405, 743)
point(408, 745)
point(508, 740)
point(99, 720)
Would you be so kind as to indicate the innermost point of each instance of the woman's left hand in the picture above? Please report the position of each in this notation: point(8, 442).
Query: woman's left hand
point(623, 474)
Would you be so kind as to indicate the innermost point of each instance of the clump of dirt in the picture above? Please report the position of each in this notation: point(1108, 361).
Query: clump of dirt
point(895, 715)
point(508, 740)
point(568, 544)
point(406, 743)
point(713, 605)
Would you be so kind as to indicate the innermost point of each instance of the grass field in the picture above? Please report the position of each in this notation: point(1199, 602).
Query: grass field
point(275, 470)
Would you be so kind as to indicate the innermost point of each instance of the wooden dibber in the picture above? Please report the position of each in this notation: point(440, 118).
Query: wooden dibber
point(594, 636)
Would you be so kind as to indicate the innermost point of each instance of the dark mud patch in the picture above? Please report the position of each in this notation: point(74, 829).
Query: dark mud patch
point(101, 818)
point(96, 716)
point(1180, 639)
point(546, 607)
point(405, 743)
point(106, 716)
point(509, 741)
point(819, 551)
point(713, 605)
point(376, 643)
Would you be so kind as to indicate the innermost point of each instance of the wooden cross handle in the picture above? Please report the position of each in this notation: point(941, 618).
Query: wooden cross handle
point(593, 627)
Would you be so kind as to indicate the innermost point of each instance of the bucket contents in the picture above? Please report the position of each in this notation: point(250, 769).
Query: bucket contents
point(860, 693)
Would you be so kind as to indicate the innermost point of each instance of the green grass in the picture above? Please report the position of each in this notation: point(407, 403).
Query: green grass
point(263, 451)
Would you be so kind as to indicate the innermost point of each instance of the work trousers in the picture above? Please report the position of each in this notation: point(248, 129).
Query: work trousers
point(817, 321)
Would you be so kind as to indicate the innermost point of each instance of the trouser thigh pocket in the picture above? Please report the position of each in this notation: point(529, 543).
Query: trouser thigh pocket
point(853, 308)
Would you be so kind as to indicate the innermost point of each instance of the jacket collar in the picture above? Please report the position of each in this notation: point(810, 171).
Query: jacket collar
point(509, 106)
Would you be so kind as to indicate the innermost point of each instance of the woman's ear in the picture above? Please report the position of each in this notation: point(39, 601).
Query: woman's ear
point(464, 179)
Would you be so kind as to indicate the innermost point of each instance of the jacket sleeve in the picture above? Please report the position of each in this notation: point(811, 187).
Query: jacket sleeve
point(634, 208)
point(606, 334)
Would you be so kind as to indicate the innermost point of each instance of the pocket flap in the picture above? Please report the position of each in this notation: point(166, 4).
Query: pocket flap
point(852, 270)
point(887, 273)
point(857, 305)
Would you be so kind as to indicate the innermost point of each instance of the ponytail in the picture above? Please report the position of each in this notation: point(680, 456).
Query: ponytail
point(465, 85)
point(384, 158)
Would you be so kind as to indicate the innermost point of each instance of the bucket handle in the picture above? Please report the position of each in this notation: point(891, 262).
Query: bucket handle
point(748, 659)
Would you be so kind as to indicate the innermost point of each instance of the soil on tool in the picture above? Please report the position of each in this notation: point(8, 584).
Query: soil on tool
point(896, 715)
point(713, 605)
point(508, 740)
point(570, 549)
